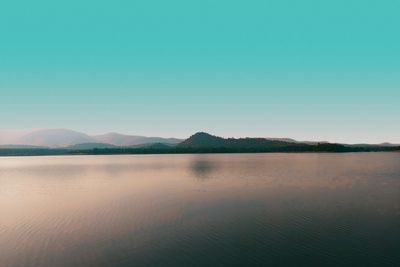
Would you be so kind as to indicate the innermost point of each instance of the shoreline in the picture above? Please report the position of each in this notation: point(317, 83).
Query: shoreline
point(94, 152)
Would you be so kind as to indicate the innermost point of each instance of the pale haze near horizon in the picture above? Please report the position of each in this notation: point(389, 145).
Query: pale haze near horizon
point(305, 70)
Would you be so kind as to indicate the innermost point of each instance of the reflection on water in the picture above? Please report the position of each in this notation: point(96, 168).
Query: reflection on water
point(202, 167)
point(201, 210)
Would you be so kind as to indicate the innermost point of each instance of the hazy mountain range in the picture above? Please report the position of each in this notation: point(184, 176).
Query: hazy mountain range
point(69, 139)
point(62, 138)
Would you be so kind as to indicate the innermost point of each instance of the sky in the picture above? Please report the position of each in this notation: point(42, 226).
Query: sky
point(309, 69)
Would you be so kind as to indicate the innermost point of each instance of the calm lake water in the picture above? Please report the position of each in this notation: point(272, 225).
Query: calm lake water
point(201, 210)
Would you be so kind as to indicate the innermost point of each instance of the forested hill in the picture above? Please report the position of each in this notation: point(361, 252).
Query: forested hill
point(205, 140)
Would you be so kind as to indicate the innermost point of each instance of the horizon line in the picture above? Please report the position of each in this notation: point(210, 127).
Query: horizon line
point(31, 130)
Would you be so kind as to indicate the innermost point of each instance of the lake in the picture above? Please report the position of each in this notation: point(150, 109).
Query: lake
point(280, 209)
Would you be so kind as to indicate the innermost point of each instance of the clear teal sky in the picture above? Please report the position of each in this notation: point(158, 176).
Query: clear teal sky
point(306, 69)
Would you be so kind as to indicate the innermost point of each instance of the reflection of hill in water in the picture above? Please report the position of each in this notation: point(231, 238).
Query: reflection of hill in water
point(203, 169)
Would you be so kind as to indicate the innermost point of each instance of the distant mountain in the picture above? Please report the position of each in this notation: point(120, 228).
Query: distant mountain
point(64, 138)
point(154, 146)
point(55, 138)
point(73, 140)
point(12, 136)
point(198, 143)
point(282, 139)
point(205, 140)
point(290, 140)
point(22, 147)
point(132, 140)
point(86, 146)
point(205, 143)
point(202, 139)
point(373, 145)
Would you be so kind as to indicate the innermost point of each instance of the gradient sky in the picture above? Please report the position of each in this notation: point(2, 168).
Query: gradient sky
point(306, 69)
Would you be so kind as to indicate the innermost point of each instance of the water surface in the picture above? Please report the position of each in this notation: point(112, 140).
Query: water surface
point(201, 210)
